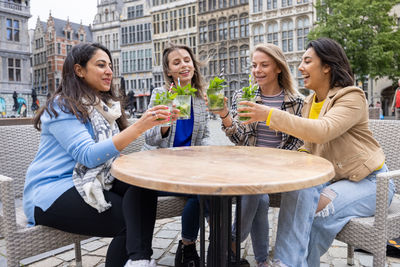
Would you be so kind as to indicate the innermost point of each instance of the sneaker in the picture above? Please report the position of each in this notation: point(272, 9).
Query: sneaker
point(186, 256)
point(140, 263)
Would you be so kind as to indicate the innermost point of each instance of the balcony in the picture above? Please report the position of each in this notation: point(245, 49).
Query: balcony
point(12, 7)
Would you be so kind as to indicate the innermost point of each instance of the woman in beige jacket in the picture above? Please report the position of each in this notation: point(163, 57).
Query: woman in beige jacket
point(334, 125)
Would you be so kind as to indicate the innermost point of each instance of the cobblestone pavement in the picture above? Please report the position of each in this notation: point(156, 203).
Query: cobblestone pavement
point(167, 235)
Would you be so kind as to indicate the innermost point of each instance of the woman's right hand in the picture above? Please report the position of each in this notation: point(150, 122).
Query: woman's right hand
point(222, 112)
point(155, 116)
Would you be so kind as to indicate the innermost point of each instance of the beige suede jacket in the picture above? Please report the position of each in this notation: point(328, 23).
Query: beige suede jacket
point(340, 134)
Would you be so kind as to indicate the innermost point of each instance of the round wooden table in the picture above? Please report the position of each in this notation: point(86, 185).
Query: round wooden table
point(220, 172)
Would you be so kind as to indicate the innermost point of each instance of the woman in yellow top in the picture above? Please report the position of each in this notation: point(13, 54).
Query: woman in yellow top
point(334, 125)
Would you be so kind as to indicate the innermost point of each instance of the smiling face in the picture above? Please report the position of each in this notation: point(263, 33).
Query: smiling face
point(265, 70)
point(97, 73)
point(316, 76)
point(180, 65)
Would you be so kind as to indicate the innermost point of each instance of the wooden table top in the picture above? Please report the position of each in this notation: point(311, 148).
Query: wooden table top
point(222, 170)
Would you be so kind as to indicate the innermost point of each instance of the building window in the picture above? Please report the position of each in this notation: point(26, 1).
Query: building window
point(272, 4)
point(287, 36)
point(203, 32)
point(58, 48)
point(272, 36)
point(164, 22)
point(192, 16)
point(244, 26)
point(244, 59)
point(14, 70)
point(302, 32)
point(132, 61)
point(202, 6)
point(302, 1)
point(233, 27)
point(68, 34)
point(12, 30)
point(125, 62)
point(139, 11)
point(222, 29)
point(116, 67)
point(223, 3)
point(182, 18)
point(233, 61)
point(81, 37)
point(203, 58)
point(107, 41)
point(212, 64)
point(212, 5)
point(69, 47)
point(173, 21)
point(258, 34)
point(286, 3)
point(257, 6)
point(156, 23)
point(212, 30)
point(223, 60)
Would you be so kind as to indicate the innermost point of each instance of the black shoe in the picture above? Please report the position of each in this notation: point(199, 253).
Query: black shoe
point(242, 262)
point(186, 256)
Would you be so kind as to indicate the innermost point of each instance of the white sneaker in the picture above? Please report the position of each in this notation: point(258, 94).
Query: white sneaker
point(140, 263)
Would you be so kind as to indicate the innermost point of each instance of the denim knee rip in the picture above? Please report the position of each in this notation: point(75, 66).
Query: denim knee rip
point(329, 208)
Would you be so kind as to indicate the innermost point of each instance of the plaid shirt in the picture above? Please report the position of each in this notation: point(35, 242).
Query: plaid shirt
point(246, 135)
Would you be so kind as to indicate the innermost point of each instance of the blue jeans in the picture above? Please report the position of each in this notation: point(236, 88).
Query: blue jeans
point(301, 239)
point(190, 216)
point(254, 220)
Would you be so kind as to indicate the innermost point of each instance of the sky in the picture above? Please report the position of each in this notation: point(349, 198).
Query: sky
point(76, 10)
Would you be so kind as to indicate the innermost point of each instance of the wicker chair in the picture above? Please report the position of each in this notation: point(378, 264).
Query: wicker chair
point(19, 144)
point(372, 233)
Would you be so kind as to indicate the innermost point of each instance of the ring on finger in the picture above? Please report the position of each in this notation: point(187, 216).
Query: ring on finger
point(153, 113)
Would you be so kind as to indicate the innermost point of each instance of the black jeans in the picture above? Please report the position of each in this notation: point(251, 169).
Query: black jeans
point(130, 220)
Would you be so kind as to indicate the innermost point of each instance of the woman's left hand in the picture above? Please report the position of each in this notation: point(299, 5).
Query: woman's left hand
point(255, 111)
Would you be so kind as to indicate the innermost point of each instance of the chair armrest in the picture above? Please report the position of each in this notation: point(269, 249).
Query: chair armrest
point(382, 196)
point(7, 197)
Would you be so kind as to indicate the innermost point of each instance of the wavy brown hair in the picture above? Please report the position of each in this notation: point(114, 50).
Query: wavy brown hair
point(72, 89)
point(197, 79)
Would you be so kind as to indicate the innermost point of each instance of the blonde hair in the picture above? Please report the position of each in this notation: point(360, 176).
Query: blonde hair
point(284, 78)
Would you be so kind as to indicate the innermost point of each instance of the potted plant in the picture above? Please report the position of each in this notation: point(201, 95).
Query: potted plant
point(249, 94)
point(215, 94)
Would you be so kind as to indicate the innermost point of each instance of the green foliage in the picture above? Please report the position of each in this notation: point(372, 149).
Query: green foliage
point(164, 98)
point(366, 30)
point(186, 90)
point(215, 85)
point(249, 91)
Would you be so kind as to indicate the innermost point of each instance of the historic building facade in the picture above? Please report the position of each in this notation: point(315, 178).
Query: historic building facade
point(15, 83)
point(106, 30)
point(285, 23)
point(174, 21)
point(136, 51)
point(223, 30)
point(51, 42)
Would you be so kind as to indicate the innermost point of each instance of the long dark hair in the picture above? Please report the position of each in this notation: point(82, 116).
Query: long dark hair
point(197, 79)
point(73, 89)
point(332, 54)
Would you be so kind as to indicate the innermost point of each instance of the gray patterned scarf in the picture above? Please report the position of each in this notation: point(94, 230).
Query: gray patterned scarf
point(90, 182)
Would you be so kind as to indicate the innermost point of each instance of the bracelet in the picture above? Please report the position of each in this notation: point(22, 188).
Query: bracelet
point(225, 115)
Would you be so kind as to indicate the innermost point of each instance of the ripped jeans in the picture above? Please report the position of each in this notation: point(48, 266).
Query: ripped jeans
point(348, 200)
point(303, 236)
